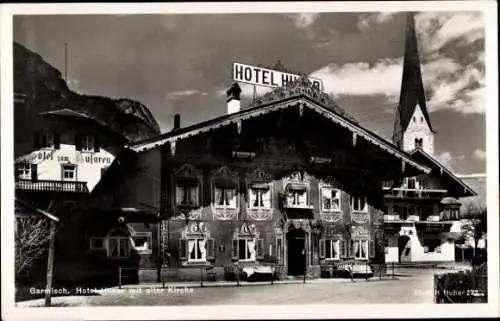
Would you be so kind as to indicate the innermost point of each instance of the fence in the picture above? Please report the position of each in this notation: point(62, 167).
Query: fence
point(232, 274)
point(462, 287)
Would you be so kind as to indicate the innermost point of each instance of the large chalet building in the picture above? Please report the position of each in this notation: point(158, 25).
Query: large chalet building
point(291, 180)
point(422, 214)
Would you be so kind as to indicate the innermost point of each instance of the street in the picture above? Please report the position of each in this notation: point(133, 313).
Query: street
point(411, 286)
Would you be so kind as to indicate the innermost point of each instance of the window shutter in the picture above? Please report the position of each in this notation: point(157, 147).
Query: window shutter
point(235, 249)
point(183, 249)
point(371, 248)
point(343, 248)
point(260, 248)
point(34, 172)
point(36, 140)
point(279, 249)
point(321, 248)
point(438, 249)
point(350, 248)
point(210, 249)
point(78, 142)
point(57, 141)
point(97, 144)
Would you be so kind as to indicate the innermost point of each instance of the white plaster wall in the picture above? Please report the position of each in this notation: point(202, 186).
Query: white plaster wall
point(418, 129)
point(417, 249)
point(89, 164)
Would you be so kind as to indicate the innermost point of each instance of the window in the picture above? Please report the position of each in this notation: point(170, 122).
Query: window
point(68, 172)
point(260, 196)
point(187, 195)
point(359, 204)
point(197, 250)
point(88, 143)
point(361, 249)
point(246, 249)
point(332, 249)
point(414, 119)
point(432, 246)
point(142, 242)
point(119, 247)
point(411, 183)
point(97, 243)
point(450, 215)
point(402, 211)
point(330, 199)
point(421, 119)
point(24, 171)
point(296, 196)
point(225, 197)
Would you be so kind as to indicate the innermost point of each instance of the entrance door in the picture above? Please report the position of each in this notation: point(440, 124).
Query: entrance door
point(404, 249)
point(296, 253)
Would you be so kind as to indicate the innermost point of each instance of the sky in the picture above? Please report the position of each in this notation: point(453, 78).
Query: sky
point(181, 63)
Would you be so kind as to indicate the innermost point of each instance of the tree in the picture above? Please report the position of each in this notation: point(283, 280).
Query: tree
point(32, 234)
point(474, 223)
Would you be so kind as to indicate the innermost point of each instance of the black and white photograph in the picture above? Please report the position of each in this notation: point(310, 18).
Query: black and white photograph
point(255, 158)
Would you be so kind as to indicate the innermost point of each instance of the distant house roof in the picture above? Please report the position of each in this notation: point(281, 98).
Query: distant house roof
point(301, 92)
point(419, 154)
point(479, 184)
point(65, 112)
point(25, 207)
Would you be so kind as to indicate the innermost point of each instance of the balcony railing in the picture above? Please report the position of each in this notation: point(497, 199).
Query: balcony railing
point(417, 218)
point(409, 193)
point(54, 186)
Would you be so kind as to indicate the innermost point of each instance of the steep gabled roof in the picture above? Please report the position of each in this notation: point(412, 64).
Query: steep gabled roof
point(299, 92)
point(412, 89)
point(467, 190)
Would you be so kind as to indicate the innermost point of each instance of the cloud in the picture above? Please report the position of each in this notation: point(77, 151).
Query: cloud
point(174, 95)
point(479, 154)
point(437, 29)
point(448, 160)
point(361, 78)
point(366, 21)
point(304, 20)
point(450, 83)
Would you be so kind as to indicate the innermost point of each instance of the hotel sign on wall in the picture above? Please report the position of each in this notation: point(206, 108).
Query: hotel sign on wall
point(266, 77)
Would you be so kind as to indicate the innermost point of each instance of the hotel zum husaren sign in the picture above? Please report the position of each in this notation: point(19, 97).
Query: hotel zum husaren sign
point(259, 76)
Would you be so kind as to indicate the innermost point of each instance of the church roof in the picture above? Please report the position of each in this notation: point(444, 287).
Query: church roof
point(300, 93)
point(412, 89)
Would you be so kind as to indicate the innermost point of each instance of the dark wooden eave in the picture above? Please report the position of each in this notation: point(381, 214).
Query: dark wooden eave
point(302, 99)
point(418, 154)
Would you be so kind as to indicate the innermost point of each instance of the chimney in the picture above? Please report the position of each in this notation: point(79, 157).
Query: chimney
point(233, 99)
point(177, 121)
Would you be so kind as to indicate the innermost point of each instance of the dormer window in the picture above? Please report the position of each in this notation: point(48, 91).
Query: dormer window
point(419, 142)
point(359, 204)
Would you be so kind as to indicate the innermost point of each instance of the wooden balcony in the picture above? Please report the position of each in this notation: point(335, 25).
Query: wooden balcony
point(408, 193)
point(52, 186)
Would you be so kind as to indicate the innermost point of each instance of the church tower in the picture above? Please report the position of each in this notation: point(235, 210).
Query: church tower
point(412, 127)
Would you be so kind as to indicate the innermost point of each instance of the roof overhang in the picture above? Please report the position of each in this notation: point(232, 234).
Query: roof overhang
point(34, 210)
point(443, 169)
point(301, 101)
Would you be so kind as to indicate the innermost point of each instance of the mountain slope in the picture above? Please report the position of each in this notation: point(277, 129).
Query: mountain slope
point(45, 89)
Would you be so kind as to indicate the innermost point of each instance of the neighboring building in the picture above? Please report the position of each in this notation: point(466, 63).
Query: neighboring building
point(263, 184)
point(422, 216)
